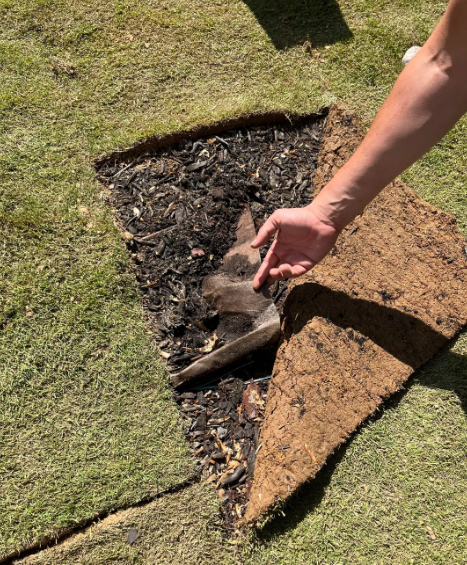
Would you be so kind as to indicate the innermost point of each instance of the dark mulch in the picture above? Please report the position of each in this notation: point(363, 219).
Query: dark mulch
point(223, 429)
point(180, 207)
point(179, 210)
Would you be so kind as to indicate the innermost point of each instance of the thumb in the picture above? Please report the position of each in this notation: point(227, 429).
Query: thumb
point(267, 230)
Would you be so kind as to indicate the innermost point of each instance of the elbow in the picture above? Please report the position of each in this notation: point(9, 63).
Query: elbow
point(448, 71)
point(444, 63)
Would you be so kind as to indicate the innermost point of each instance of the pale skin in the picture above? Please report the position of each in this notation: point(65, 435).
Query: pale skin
point(427, 99)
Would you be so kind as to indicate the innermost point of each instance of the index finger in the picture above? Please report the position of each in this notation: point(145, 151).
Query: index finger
point(270, 262)
point(267, 230)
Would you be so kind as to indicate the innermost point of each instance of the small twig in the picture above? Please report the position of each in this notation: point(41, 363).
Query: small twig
point(149, 243)
point(171, 176)
point(310, 453)
point(193, 359)
point(128, 181)
point(201, 326)
point(131, 220)
point(149, 285)
point(223, 141)
point(153, 235)
point(116, 175)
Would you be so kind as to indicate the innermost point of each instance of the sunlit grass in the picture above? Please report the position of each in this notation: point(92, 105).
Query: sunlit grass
point(86, 421)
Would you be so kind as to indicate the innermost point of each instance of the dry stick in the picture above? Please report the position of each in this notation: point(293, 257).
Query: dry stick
point(117, 175)
point(168, 177)
point(310, 453)
point(149, 285)
point(153, 235)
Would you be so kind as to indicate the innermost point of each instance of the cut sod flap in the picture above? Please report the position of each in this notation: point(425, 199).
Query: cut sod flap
point(382, 303)
point(248, 320)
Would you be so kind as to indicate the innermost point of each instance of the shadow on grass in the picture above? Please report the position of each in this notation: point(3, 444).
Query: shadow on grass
point(291, 22)
point(404, 336)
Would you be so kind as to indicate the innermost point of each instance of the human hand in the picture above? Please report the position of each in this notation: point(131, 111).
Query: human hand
point(304, 237)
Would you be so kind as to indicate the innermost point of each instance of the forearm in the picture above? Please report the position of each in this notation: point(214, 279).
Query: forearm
point(427, 99)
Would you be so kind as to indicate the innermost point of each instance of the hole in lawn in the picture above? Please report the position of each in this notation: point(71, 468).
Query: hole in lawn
point(179, 208)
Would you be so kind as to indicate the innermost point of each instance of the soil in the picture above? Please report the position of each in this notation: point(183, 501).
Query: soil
point(223, 426)
point(179, 208)
point(354, 329)
point(248, 320)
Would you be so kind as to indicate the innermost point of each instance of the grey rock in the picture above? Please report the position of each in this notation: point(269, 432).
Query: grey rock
point(410, 54)
point(222, 432)
point(133, 535)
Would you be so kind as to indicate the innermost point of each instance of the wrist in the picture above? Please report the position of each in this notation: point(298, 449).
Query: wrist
point(338, 203)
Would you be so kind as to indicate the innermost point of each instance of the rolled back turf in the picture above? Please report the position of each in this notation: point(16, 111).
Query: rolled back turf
point(384, 301)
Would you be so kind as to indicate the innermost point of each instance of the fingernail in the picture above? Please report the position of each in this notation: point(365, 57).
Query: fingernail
point(253, 243)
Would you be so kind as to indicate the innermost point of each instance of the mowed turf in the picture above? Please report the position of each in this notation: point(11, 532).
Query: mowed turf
point(87, 423)
point(182, 527)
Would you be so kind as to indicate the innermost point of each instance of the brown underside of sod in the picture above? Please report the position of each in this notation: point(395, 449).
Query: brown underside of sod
point(387, 298)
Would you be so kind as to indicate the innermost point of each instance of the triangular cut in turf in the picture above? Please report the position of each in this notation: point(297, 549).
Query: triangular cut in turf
point(385, 300)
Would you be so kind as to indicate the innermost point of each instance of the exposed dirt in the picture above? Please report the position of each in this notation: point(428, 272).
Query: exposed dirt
point(248, 320)
point(223, 426)
point(179, 210)
point(382, 303)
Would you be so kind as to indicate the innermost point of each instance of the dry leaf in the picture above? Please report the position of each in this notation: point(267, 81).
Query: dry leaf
point(83, 210)
point(252, 400)
point(210, 344)
point(132, 536)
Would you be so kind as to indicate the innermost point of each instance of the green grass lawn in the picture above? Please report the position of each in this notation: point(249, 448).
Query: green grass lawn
point(87, 423)
point(182, 527)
